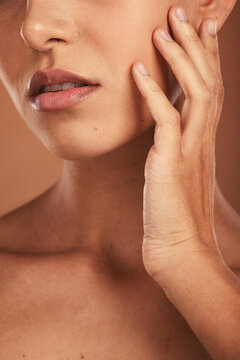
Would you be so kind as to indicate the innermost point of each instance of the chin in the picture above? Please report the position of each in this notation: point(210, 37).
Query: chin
point(81, 145)
point(74, 143)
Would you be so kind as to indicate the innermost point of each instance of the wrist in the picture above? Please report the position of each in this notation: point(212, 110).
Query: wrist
point(178, 268)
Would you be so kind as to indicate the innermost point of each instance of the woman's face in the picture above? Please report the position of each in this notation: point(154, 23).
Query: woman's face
point(99, 39)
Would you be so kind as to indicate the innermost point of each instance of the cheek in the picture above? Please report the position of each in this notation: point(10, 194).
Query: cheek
point(131, 40)
point(14, 64)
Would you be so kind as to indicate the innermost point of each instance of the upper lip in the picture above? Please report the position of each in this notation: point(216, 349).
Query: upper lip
point(55, 76)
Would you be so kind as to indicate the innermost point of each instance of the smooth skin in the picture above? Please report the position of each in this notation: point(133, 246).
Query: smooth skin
point(179, 232)
point(76, 280)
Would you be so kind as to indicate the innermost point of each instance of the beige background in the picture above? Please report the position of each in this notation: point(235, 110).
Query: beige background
point(27, 168)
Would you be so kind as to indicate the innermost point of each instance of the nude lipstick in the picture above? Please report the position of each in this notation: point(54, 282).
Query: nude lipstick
point(58, 89)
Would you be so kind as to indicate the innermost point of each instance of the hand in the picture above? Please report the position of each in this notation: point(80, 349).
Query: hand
point(180, 167)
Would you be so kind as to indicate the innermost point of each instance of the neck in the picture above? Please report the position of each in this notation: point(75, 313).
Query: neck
point(98, 204)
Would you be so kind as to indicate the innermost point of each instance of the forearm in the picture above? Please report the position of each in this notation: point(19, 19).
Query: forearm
point(207, 294)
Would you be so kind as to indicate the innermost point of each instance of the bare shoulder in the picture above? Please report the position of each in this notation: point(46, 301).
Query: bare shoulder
point(18, 225)
point(13, 225)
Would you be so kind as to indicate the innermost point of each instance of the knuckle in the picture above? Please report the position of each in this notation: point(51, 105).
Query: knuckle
point(214, 51)
point(211, 80)
point(177, 57)
point(220, 91)
point(205, 96)
point(154, 88)
point(178, 60)
point(217, 88)
point(174, 117)
point(192, 35)
point(171, 61)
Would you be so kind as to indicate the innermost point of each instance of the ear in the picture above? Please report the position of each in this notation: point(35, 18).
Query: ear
point(218, 9)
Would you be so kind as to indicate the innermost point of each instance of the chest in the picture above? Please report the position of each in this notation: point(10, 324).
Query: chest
point(48, 316)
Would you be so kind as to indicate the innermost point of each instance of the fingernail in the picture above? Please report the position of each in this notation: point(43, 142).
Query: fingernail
point(142, 68)
point(164, 34)
point(181, 15)
point(212, 27)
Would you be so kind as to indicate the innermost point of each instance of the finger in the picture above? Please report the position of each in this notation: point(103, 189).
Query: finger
point(198, 96)
point(208, 35)
point(202, 49)
point(187, 37)
point(182, 66)
point(167, 136)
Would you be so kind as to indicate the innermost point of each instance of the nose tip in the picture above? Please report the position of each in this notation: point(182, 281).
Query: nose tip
point(43, 32)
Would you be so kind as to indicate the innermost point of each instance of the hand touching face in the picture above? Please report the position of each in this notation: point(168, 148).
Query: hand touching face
point(180, 168)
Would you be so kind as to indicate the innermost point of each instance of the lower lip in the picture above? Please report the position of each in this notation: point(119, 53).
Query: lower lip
point(62, 99)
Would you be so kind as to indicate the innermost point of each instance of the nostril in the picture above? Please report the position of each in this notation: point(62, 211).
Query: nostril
point(55, 39)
